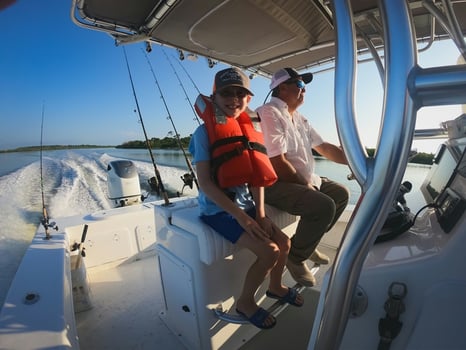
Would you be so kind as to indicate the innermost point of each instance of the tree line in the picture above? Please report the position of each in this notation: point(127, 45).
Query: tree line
point(165, 143)
point(171, 143)
point(419, 158)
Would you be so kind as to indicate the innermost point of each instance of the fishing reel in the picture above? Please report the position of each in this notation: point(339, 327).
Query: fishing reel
point(188, 180)
point(45, 222)
point(154, 185)
point(78, 246)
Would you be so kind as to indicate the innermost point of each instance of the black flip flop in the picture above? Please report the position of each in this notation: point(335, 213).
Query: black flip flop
point(289, 297)
point(258, 318)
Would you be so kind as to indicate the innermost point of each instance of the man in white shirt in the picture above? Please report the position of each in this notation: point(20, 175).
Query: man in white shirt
point(289, 140)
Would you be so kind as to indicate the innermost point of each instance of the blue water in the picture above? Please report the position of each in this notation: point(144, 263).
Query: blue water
point(74, 182)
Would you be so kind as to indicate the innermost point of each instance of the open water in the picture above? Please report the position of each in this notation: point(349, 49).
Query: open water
point(74, 182)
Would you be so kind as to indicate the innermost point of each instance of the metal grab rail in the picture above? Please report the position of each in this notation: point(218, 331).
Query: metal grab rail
point(377, 176)
point(407, 88)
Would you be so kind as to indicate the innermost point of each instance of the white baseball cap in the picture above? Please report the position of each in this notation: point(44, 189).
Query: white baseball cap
point(284, 74)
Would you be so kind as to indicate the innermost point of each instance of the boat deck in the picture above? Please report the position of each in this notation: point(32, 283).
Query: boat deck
point(294, 325)
point(127, 300)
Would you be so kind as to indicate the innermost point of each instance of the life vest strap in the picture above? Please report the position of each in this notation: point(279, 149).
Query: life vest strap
point(228, 140)
point(217, 161)
point(254, 146)
point(237, 151)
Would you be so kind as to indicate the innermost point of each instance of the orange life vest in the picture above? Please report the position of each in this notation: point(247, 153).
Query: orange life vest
point(237, 150)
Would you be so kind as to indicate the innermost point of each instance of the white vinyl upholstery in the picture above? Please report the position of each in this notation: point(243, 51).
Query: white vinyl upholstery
point(213, 246)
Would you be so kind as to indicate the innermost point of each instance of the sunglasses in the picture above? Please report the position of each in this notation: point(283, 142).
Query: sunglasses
point(299, 83)
point(239, 93)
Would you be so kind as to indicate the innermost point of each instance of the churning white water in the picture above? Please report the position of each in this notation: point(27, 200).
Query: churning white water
point(74, 182)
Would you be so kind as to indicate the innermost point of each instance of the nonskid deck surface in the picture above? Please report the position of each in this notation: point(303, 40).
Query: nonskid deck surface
point(294, 325)
point(127, 300)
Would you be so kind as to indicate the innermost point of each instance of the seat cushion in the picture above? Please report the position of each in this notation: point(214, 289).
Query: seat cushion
point(213, 246)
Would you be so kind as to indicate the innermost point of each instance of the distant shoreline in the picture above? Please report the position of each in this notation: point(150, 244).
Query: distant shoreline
point(51, 148)
point(420, 158)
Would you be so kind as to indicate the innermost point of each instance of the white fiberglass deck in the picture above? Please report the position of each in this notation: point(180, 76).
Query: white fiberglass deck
point(127, 300)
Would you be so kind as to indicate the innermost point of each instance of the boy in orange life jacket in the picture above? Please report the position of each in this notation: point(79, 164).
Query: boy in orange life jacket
point(231, 211)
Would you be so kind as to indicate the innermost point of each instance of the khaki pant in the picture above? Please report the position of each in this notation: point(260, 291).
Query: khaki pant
point(318, 211)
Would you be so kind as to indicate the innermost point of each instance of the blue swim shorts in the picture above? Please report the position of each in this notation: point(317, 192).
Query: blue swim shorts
point(226, 225)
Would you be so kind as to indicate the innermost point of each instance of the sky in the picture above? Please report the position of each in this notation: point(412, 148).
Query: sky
point(78, 79)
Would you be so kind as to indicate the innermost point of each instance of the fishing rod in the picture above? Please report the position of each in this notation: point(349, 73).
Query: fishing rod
point(189, 76)
point(45, 218)
point(80, 248)
point(158, 183)
point(182, 87)
point(187, 178)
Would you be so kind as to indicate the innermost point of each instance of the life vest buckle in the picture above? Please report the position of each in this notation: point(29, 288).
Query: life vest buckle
point(240, 149)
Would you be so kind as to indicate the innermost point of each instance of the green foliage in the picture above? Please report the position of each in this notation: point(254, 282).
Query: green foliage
point(370, 152)
point(168, 142)
point(156, 143)
point(423, 158)
point(420, 158)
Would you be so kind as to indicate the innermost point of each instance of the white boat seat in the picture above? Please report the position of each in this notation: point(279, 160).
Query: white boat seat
point(281, 218)
point(213, 246)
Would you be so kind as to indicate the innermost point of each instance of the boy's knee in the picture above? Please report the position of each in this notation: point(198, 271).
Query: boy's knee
point(287, 246)
point(272, 255)
point(283, 242)
point(275, 251)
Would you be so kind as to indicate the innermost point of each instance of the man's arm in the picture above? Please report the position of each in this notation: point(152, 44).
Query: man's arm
point(286, 171)
point(332, 152)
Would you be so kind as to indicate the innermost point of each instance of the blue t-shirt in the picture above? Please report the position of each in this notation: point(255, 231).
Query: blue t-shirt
point(199, 148)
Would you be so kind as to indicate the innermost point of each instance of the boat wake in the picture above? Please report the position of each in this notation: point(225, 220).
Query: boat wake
point(74, 182)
